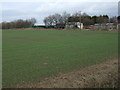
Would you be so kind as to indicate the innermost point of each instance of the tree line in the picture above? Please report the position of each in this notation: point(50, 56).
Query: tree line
point(63, 18)
point(77, 17)
point(18, 23)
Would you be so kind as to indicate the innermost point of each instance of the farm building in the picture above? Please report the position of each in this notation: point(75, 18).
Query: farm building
point(70, 25)
point(73, 25)
point(107, 26)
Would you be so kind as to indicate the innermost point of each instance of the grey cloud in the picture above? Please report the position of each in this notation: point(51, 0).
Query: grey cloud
point(40, 10)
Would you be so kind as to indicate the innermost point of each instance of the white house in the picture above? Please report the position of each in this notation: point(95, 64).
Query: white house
point(74, 25)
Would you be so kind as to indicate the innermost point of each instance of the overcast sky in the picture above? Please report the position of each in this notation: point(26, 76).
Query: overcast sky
point(24, 9)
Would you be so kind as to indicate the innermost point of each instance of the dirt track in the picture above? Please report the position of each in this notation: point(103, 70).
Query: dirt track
point(99, 75)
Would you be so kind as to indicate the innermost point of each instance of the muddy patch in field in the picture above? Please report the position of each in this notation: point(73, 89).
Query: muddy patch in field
point(100, 75)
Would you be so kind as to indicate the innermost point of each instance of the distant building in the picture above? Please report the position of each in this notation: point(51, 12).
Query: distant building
point(74, 25)
point(107, 26)
point(70, 25)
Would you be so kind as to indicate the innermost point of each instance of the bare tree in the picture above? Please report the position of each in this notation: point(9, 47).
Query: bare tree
point(18, 23)
point(113, 19)
point(65, 17)
point(50, 20)
point(57, 18)
point(33, 21)
point(45, 21)
point(77, 14)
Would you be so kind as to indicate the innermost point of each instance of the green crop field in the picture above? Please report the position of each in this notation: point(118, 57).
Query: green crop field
point(31, 55)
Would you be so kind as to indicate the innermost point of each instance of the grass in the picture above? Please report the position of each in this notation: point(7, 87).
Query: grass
point(30, 55)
